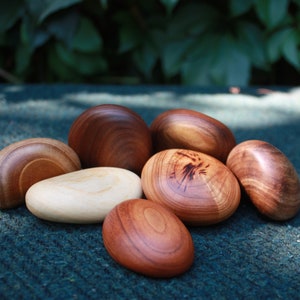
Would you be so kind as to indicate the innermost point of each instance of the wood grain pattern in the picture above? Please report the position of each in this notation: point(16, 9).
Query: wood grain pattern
point(268, 178)
point(111, 135)
point(197, 187)
point(188, 129)
point(26, 162)
point(147, 238)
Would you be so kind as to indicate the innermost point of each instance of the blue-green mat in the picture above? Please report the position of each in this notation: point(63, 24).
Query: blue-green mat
point(246, 257)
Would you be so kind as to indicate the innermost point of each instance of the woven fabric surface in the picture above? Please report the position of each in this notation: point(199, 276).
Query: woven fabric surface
point(245, 257)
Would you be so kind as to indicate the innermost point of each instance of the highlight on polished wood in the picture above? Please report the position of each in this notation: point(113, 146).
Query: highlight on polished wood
point(192, 130)
point(110, 135)
point(197, 187)
point(268, 178)
point(31, 160)
point(147, 238)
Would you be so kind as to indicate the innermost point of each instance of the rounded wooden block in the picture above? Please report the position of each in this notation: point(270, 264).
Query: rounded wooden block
point(189, 129)
point(26, 162)
point(84, 196)
point(147, 238)
point(197, 187)
point(111, 135)
point(268, 178)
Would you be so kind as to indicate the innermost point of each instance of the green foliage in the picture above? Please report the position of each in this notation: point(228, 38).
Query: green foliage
point(191, 42)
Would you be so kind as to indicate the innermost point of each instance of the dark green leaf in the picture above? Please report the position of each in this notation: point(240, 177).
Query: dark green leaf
point(232, 66)
point(104, 3)
point(156, 40)
point(59, 69)
point(284, 43)
point(192, 19)
point(129, 38)
point(55, 5)
point(290, 49)
point(251, 40)
point(22, 58)
point(63, 25)
point(197, 72)
point(197, 67)
point(202, 46)
point(238, 7)
point(217, 60)
point(87, 38)
point(85, 64)
point(41, 9)
point(145, 58)
point(151, 50)
point(297, 2)
point(271, 12)
point(173, 55)
point(10, 12)
point(169, 4)
point(275, 42)
point(31, 36)
point(2, 39)
point(130, 34)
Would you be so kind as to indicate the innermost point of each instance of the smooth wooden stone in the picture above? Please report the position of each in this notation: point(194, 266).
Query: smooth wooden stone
point(147, 238)
point(268, 178)
point(85, 196)
point(111, 135)
point(192, 130)
point(197, 187)
point(26, 162)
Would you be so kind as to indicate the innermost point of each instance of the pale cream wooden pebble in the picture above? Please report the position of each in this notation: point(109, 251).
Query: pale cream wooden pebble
point(84, 196)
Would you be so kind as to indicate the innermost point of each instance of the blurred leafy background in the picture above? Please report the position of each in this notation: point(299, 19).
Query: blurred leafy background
point(189, 42)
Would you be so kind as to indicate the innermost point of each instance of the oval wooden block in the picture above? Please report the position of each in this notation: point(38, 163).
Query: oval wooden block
point(147, 238)
point(268, 178)
point(110, 135)
point(197, 187)
point(192, 130)
point(85, 196)
point(28, 161)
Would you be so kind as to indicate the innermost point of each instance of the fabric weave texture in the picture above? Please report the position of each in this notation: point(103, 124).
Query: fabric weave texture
point(245, 257)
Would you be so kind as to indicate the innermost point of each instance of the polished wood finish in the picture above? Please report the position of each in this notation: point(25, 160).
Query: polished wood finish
point(111, 135)
point(148, 239)
point(26, 162)
point(189, 129)
point(268, 178)
point(197, 187)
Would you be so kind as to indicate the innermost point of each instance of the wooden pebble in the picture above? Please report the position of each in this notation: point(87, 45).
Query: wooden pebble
point(192, 130)
point(267, 177)
point(26, 162)
point(197, 187)
point(147, 238)
point(84, 196)
point(111, 135)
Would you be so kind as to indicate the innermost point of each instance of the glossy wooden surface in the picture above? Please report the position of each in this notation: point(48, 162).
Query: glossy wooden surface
point(189, 129)
point(268, 178)
point(198, 188)
point(111, 135)
point(146, 238)
point(26, 162)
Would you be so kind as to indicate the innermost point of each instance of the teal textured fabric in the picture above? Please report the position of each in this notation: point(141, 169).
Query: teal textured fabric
point(245, 257)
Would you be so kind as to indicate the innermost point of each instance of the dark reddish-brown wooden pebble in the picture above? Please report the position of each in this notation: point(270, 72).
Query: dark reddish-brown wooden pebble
point(112, 136)
point(147, 238)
